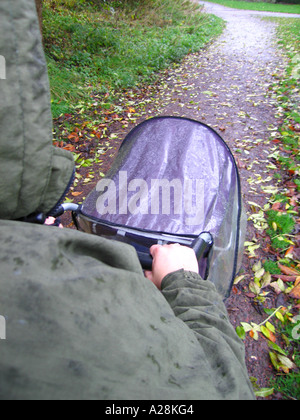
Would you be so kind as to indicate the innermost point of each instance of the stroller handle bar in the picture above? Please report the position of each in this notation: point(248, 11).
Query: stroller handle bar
point(70, 207)
point(201, 245)
point(64, 208)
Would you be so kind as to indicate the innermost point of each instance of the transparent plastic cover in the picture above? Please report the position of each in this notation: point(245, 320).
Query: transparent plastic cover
point(176, 176)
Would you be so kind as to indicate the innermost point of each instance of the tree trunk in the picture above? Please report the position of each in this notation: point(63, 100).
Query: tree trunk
point(39, 8)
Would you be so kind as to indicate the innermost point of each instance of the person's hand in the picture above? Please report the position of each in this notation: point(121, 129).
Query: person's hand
point(50, 222)
point(170, 258)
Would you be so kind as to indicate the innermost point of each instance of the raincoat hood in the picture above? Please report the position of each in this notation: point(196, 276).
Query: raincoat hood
point(33, 173)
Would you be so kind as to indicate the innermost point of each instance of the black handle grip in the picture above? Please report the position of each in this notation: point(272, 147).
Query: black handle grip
point(146, 260)
point(200, 245)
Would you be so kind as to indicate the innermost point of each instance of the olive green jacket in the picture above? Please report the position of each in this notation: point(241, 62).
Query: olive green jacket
point(33, 174)
point(82, 322)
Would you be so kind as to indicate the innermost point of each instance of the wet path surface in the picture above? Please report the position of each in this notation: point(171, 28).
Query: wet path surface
point(233, 74)
point(227, 86)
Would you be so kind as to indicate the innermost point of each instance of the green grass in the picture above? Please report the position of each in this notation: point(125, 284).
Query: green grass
point(280, 225)
point(289, 35)
point(260, 6)
point(111, 48)
point(272, 267)
point(289, 384)
point(287, 94)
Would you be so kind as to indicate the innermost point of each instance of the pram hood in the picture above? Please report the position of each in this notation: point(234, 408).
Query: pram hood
point(33, 174)
point(171, 175)
point(175, 176)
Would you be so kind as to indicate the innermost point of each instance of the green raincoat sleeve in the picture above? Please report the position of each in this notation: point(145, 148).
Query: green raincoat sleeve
point(82, 322)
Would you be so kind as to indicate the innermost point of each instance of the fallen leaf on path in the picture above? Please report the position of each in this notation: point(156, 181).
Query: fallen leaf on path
point(238, 279)
point(278, 286)
point(269, 334)
point(295, 293)
point(276, 206)
point(69, 147)
point(288, 270)
point(289, 251)
point(285, 278)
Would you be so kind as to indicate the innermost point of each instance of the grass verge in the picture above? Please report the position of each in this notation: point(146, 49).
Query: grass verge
point(258, 5)
point(282, 271)
point(103, 48)
point(287, 91)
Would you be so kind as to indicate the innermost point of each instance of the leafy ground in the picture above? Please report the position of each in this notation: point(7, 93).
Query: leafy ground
point(283, 223)
point(248, 90)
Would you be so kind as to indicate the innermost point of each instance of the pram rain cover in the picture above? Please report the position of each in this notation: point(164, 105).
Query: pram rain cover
point(173, 179)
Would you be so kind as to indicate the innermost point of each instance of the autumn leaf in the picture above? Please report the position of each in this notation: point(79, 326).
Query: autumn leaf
point(285, 363)
point(266, 280)
point(268, 333)
point(264, 392)
point(285, 278)
point(275, 347)
point(289, 251)
point(259, 273)
point(257, 266)
point(69, 147)
point(254, 334)
point(274, 360)
point(74, 136)
point(251, 333)
point(238, 279)
point(295, 293)
point(254, 288)
point(276, 206)
point(270, 327)
point(279, 316)
point(278, 286)
point(288, 270)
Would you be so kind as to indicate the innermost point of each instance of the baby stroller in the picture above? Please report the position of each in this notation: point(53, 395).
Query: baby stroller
point(174, 181)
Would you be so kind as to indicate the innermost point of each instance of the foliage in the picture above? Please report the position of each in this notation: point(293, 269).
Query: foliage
point(117, 45)
point(271, 267)
point(280, 225)
point(289, 385)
